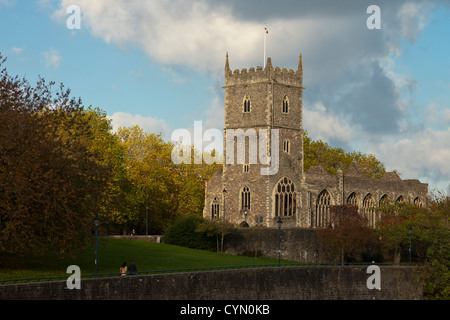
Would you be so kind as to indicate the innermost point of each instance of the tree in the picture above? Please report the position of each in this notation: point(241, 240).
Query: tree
point(332, 159)
point(150, 180)
point(183, 231)
point(52, 176)
point(347, 234)
point(430, 240)
point(216, 228)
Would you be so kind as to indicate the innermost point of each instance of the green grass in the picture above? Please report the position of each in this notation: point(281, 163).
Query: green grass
point(113, 252)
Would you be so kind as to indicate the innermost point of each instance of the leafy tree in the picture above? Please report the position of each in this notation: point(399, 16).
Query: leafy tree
point(216, 228)
point(184, 231)
point(52, 176)
point(430, 240)
point(149, 181)
point(332, 159)
point(152, 179)
point(347, 234)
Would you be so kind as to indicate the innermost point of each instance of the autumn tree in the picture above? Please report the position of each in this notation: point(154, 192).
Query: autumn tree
point(331, 158)
point(52, 177)
point(153, 181)
point(430, 240)
point(347, 234)
point(216, 228)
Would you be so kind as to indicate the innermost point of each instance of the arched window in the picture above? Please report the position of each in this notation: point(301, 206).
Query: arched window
point(353, 199)
point(368, 209)
point(245, 199)
point(285, 104)
point(400, 199)
point(285, 198)
point(384, 200)
point(246, 104)
point(215, 209)
point(418, 202)
point(322, 214)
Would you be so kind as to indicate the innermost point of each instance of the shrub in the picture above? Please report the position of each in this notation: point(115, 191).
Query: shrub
point(183, 232)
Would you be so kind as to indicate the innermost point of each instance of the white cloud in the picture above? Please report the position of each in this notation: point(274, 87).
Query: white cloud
point(413, 17)
point(17, 50)
point(215, 114)
point(186, 32)
point(52, 58)
point(447, 116)
point(148, 124)
point(426, 155)
point(324, 125)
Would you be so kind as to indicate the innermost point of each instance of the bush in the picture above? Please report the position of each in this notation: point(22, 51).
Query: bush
point(182, 232)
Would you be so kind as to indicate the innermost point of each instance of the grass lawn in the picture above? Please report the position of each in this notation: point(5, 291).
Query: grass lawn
point(113, 252)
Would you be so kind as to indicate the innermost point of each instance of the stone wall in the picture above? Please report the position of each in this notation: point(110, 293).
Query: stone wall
point(283, 283)
point(149, 238)
point(296, 244)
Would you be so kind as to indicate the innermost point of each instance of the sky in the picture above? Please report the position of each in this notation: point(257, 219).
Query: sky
point(160, 64)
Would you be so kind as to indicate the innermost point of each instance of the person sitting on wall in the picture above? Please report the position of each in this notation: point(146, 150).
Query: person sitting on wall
point(132, 269)
point(123, 269)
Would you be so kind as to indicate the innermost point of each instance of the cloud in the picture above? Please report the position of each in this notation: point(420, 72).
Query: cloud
point(52, 58)
point(324, 125)
point(424, 155)
point(17, 50)
point(149, 124)
point(447, 116)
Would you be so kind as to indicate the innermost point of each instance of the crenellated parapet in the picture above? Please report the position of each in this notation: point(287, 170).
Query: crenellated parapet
point(268, 74)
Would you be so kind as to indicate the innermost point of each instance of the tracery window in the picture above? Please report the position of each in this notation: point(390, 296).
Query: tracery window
point(321, 217)
point(247, 104)
point(384, 200)
point(215, 209)
point(285, 104)
point(245, 199)
point(418, 202)
point(285, 198)
point(353, 199)
point(369, 210)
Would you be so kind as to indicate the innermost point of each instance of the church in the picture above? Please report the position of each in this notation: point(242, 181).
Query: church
point(269, 100)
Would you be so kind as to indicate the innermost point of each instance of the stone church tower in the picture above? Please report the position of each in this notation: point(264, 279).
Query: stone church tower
point(263, 117)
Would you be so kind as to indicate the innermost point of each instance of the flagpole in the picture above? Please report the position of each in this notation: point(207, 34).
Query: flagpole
point(265, 34)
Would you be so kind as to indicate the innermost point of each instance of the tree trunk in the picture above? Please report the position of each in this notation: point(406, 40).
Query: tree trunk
point(397, 255)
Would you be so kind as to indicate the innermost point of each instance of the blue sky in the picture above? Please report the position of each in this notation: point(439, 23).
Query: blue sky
point(159, 64)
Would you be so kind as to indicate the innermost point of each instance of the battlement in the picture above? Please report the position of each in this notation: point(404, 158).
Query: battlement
point(268, 74)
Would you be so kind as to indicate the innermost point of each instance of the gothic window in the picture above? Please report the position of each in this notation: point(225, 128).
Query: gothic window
point(215, 209)
point(353, 199)
point(285, 105)
point(285, 198)
point(246, 168)
point(384, 200)
point(245, 199)
point(369, 210)
point(286, 146)
point(400, 200)
point(418, 202)
point(247, 104)
point(322, 214)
